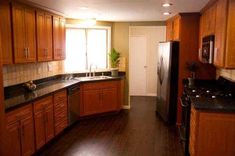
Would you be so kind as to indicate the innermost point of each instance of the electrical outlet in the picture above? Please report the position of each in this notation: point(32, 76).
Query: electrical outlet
point(49, 67)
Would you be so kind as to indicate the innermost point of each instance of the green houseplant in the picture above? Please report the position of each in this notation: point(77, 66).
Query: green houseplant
point(114, 57)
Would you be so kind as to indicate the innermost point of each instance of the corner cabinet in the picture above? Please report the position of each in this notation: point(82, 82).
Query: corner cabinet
point(24, 33)
point(44, 36)
point(59, 38)
point(211, 133)
point(20, 132)
point(100, 97)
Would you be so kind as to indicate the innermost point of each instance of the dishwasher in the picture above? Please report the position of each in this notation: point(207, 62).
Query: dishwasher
point(73, 103)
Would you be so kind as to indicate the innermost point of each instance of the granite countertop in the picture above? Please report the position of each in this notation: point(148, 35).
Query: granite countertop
point(219, 105)
point(44, 89)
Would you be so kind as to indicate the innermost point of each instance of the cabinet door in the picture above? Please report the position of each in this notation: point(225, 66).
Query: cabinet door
point(13, 146)
point(220, 33)
point(169, 30)
point(109, 99)
point(5, 30)
point(48, 36)
point(62, 38)
point(39, 121)
point(91, 102)
point(41, 51)
point(30, 34)
point(19, 33)
point(27, 136)
point(230, 47)
point(49, 126)
point(56, 38)
point(176, 29)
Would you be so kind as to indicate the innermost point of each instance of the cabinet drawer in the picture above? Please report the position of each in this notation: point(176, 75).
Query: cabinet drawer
point(42, 103)
point(61, 126)
point(60, 95)
point(99, 85)
point(21, 113)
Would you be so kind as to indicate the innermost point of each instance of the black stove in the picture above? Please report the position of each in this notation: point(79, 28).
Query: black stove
point(212, 95)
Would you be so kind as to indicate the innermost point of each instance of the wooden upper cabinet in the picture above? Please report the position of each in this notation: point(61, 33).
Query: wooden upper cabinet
point(173, 29)
point(224, 55)
point(24, 33)
point(44, 36)
point(5, 30)
point(58, 38)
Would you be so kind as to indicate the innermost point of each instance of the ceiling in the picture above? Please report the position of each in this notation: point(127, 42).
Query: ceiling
point(121, 10)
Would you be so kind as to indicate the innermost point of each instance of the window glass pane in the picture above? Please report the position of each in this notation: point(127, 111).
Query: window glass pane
point(97, 47)
point(75, 50)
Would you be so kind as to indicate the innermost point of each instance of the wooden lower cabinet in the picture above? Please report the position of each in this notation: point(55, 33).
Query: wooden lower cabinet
point(20, 132)
point(44, 121)
point(100, 97)
point(60, 111)
point(212, 133)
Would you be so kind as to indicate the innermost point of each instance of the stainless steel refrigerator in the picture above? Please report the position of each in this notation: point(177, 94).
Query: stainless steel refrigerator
point(167, 85)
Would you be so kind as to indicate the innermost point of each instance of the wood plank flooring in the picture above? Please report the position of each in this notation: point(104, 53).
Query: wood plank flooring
point(137, 132)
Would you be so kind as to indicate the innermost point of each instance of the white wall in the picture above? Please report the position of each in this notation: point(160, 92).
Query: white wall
point(154, 35)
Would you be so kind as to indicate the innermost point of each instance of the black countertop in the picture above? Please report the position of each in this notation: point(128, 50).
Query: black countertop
point(44, 89)
point(206, 102)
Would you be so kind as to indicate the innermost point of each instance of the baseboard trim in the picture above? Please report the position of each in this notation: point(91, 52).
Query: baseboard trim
point(126, 107)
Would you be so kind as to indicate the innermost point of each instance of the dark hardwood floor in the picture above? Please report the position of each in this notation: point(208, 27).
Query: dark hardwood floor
point(137, 132)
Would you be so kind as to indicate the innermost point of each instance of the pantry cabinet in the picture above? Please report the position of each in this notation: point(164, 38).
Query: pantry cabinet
point(100, 97)
point(44, 36)
point(24, 33)
point(20, 132)
point(44, 121)
point(5, 30)
point(58, 38)
point(60, 111)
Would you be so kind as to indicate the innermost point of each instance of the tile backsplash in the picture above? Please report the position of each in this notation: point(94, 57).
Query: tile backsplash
point(230, 74)
point(20, 73)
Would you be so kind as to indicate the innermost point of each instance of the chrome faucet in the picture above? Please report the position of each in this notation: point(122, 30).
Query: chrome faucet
point(90, 70)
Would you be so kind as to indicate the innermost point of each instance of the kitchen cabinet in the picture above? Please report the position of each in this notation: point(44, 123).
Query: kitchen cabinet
point(60, 111)
point(211, 133)
point(44, 121)
point(5, 30)
point(224, 54)
point(100, 97)
point(20, 132)
point(44, 36)
point(24, 33)
point(59, 38)
point(172, 29)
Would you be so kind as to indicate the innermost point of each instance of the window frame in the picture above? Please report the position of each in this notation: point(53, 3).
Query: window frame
point(108, 40)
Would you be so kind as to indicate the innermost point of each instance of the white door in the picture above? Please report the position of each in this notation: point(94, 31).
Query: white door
point(137, 65)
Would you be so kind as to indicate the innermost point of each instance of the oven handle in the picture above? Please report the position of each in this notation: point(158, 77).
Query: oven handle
point(182, 104)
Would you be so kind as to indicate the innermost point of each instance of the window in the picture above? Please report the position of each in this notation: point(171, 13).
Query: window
point(86, 47)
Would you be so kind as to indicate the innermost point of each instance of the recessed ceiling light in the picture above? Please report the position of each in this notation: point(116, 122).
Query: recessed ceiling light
point(166, 13)
point(166, 5)
point(83, 8)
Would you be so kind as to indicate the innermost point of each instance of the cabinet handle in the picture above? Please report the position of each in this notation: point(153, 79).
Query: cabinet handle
point(18, 129)
point(25, 52)
point(28, 52)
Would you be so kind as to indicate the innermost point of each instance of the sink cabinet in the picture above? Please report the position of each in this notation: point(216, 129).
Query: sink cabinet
point(100, 97)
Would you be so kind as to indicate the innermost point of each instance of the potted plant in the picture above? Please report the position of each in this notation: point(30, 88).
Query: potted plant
point(114, 57)
point(192, 67)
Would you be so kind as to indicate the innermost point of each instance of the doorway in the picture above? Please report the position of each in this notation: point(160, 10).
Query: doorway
point(143, 50)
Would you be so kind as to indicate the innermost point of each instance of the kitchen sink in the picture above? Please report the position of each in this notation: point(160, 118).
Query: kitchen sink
point(92, 78)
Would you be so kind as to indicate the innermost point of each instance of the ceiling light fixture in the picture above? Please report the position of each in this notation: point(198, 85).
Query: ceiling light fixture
point(166, 13)
point(166, 5)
